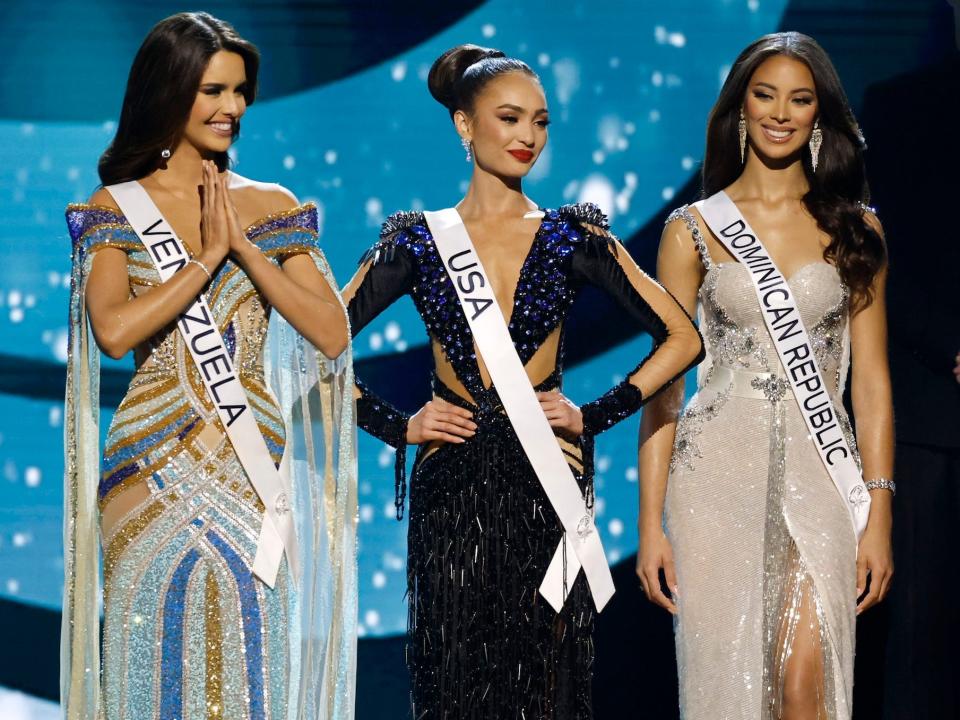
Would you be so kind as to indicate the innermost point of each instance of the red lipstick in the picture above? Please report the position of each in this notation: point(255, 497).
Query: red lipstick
point(523, 156)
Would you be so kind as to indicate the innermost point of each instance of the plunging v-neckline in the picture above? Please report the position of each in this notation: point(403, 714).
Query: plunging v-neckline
point(508, 319)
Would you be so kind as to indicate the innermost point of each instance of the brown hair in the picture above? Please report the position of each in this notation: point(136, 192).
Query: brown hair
point(162, 88)
point(458, 76)
point(838, 189)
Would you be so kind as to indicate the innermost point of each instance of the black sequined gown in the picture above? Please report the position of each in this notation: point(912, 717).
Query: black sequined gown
point(482, 644)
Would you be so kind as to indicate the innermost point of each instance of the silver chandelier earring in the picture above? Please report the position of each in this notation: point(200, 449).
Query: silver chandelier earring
point(816, 140)
point(742, 131)
point(468, 146)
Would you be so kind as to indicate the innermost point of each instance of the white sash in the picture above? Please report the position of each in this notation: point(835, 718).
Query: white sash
point(580, 546)
point(201, 335)
point(782, 317)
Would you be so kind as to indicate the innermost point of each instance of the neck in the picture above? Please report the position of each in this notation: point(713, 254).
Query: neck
point(184, 171)
point(490, 195)
point(771, 181)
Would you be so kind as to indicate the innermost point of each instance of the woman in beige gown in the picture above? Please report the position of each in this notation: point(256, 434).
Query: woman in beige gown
point(760, 557)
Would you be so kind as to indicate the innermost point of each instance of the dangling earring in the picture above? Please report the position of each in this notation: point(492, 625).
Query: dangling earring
point(742, 131)
point(816, 139)
point(468, 146)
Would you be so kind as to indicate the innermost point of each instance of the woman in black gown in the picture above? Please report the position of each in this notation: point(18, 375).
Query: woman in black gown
point(482, 642)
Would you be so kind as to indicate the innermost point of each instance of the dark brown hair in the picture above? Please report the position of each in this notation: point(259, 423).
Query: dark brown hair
point(162, 88)
point(458, 76)
point(838, 189)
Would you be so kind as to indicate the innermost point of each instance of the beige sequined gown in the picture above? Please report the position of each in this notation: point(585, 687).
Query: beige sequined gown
point(754, 519)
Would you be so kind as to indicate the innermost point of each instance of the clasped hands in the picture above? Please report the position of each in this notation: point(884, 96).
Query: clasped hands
point(220, 230)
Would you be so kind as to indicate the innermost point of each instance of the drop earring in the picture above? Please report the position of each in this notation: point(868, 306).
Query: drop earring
point(742, 132)
point(816, 140)
point(468, 146)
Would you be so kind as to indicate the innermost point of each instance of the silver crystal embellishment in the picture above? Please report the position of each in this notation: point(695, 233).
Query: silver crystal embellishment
point(774, 388)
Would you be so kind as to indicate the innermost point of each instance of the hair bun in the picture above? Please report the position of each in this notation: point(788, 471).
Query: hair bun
point(448, 69)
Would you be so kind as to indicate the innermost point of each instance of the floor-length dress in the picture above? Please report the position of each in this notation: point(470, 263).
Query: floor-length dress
point(755, 521)
point(482, 644)
point(189, 632)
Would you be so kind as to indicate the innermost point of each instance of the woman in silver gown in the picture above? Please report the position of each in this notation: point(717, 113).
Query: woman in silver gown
point(763, 568)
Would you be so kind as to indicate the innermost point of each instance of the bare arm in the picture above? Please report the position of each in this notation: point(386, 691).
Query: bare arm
point(121, 322)
point(679, 271)
point(298, 290)
point(873, 410)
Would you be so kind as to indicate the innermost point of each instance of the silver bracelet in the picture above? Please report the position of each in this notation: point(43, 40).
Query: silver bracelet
point(882, 484)
point(194, 261)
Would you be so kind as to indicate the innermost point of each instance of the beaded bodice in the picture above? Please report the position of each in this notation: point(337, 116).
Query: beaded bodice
point(733, 326)
point(241, 313)
point(549, 281)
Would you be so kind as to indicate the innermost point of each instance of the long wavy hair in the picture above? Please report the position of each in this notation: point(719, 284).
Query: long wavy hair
point(162, 88)
point(838, 189)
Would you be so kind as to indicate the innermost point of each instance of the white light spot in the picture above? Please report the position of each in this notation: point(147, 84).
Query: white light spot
point(21, 538)
point(109, 126)
point(754, 5)
point(65, 280)
point(631, 474)
point(488, 30)
point(667, 193)
point(566, 75)
point(398, 71)
point(392, 332)
point(289, 162)
point(330, 157)
point(31, 476)
point(654, 116)
point(615, 555)
point(55, 416)
point(13, 586)
point(28, 129)
point(390, 510)
point(622, 143)
point(361, 630)
point(386, 456)
point(615, 527)
point(371, 618)
point(657, 78)
point(614, 62)
point(374, 209)
point(10, 471)
point(599, 156)
point(603, 463)
point(365, 487)
point(376, 341)
point(30, 300)
point(629, 128)
point(687, 163)
point(73, 173)
point(599, 190)
point(14, 298)
point(400, 346)
point(59, 346)
point(543, 59)
point(599, 506)
point(16, 315)
point(392, 561)
point(379, 579)
point(366, 513)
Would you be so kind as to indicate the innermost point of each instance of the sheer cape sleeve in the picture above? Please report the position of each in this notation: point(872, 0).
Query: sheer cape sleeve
point(603, 262)
point(315, 396)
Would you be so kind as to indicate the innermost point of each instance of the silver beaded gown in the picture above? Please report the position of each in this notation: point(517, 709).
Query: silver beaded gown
point(758, 529)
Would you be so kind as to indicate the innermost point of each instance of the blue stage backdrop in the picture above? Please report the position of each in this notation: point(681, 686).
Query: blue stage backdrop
point(629, 85)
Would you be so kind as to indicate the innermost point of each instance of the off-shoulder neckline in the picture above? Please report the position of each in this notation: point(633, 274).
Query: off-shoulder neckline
point(290, 212)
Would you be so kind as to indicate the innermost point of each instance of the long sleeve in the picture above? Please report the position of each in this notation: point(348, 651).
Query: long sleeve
point(386, 274)
point(677, 346)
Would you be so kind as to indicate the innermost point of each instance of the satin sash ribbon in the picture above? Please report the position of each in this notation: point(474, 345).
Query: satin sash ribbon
point(580, 546)
point(782, 318)
point(200, 334)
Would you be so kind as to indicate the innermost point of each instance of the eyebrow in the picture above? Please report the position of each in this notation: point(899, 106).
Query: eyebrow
point(774, 87)
point(517, 108)
point(221, 86)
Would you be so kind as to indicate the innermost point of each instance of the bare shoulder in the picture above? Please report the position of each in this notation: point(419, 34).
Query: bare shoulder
point(103, 198)
point(260, 198)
